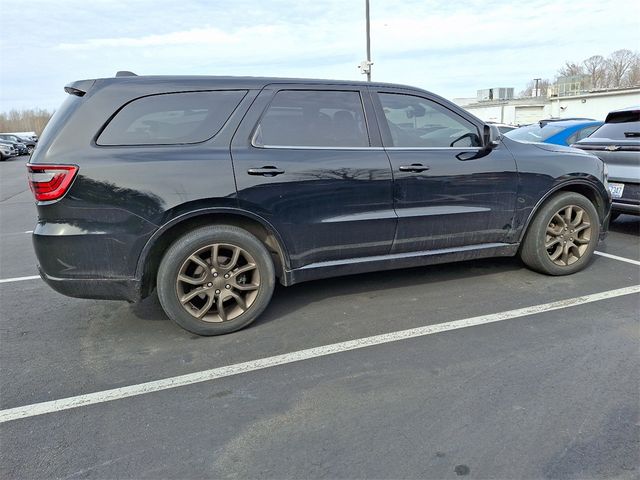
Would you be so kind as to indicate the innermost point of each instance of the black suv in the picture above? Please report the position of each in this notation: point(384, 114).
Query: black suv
point(617, 143)
point(209, 189)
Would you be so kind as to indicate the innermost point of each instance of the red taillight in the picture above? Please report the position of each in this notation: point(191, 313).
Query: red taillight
point(50, 182)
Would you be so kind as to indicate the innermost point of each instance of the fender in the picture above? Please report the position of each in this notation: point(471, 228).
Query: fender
point(206, 211)
point(594, 185)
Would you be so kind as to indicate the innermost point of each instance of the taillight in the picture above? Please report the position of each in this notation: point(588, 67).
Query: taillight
point(50, 182)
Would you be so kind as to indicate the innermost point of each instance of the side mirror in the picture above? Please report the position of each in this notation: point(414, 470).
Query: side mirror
point(491, 136)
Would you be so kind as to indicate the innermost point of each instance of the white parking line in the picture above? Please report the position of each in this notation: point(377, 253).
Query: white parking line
point(615, 257)
point(292, 357)
point(18, 279)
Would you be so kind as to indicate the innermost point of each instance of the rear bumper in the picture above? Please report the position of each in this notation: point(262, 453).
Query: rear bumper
point(128, 289)
point(630, 201)
point(625, 208)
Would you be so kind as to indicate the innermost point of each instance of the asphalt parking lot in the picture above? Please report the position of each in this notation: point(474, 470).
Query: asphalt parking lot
point(549, 392)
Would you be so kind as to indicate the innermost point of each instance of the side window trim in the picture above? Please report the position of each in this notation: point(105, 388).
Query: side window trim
point(314, 88)
point(385, 132)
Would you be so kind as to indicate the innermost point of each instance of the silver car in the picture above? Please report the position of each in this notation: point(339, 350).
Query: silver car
point(617, 143)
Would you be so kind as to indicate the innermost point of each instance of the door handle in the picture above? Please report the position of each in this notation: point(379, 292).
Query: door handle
point(414, 167)
point(266, 171)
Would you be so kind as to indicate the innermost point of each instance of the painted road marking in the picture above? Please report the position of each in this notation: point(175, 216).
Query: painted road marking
point(616, 257)
point(292, 357)
point(18, 279)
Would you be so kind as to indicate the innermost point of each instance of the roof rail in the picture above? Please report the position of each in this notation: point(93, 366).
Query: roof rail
point(551, 120)
point(125, 73)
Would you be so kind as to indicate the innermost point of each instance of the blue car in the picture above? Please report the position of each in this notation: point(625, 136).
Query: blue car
point(559, 132)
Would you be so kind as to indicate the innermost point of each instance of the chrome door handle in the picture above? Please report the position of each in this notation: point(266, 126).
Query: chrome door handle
point(414, 167)
point(266, 171)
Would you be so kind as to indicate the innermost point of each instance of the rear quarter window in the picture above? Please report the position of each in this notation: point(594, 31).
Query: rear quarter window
point(171, 119)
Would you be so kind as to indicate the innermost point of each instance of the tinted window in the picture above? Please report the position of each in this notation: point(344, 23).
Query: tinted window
point(417, 122)
point(313, 118)
point(173, 118)
point(534, 132)
point(582, 133)
point(618, 131)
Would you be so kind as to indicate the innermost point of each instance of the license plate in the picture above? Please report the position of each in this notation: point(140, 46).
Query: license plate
point(616, 189)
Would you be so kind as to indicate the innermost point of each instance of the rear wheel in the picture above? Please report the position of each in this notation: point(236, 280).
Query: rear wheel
point(563, 235)
point(215, 280)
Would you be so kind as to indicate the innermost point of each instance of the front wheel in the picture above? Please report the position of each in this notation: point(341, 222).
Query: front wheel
point(562, 236)
point(215, 280)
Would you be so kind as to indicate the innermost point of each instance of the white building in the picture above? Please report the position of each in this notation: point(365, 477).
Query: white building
point(521, 111)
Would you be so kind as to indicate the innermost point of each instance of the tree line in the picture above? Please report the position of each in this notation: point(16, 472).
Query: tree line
point(620, 69)
point(29, 120)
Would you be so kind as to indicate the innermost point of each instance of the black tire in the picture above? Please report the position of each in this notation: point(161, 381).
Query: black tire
point(535, 252)
point(185, 249)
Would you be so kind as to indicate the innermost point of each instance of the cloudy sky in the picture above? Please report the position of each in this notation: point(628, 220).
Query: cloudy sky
point(450, 47)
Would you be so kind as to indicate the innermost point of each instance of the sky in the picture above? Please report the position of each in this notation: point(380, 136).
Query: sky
point(452, 47)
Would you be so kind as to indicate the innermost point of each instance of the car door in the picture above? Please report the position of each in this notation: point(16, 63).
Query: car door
point(448, 191)
point(308, 160)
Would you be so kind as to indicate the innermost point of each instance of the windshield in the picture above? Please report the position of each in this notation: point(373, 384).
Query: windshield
point(533, 133)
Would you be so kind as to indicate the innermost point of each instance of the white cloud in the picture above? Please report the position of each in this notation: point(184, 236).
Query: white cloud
point(452, 48)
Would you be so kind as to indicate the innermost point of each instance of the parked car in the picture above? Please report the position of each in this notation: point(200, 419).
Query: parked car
point(7, 151)
point(31, 136)
point(617, 143)
point(503, 127)
point(556, 131)
point(20, 147)
point(209, 189)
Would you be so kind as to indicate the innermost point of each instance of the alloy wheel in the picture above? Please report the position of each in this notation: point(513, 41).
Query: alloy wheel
point(218, 283)
point(568, 235)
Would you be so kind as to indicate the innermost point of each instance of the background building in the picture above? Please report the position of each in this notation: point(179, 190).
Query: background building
point(564, 99)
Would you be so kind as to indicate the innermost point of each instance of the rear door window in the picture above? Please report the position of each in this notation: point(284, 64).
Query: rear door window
point(313, 118)
point(170, 119)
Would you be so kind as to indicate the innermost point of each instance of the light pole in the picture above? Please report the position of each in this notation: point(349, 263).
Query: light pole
point(537, 80)
point(368, 42)
point(365, 67)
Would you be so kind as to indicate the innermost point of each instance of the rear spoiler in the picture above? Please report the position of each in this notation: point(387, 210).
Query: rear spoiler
point(80, 87)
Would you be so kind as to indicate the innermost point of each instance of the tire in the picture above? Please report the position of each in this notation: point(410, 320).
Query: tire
point(231, 268)
point(560, 240)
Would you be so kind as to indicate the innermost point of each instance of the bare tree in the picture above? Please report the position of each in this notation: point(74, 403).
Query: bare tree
point(618, 63)
point(596, 67)
point(570, 69)
point(32, 120)
point(632, 78)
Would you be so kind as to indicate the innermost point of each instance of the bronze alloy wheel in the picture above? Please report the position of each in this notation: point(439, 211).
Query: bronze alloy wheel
point(218, 282)
point(568, 235)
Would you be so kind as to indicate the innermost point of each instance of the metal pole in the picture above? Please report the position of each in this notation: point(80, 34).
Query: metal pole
point(368, 42)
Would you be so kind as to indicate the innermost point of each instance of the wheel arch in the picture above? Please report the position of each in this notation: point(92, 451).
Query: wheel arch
point(584, 187)
point(151, 255)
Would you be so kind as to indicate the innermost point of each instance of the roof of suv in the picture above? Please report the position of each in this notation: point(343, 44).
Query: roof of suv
point(80, 87)
point(248, 82)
